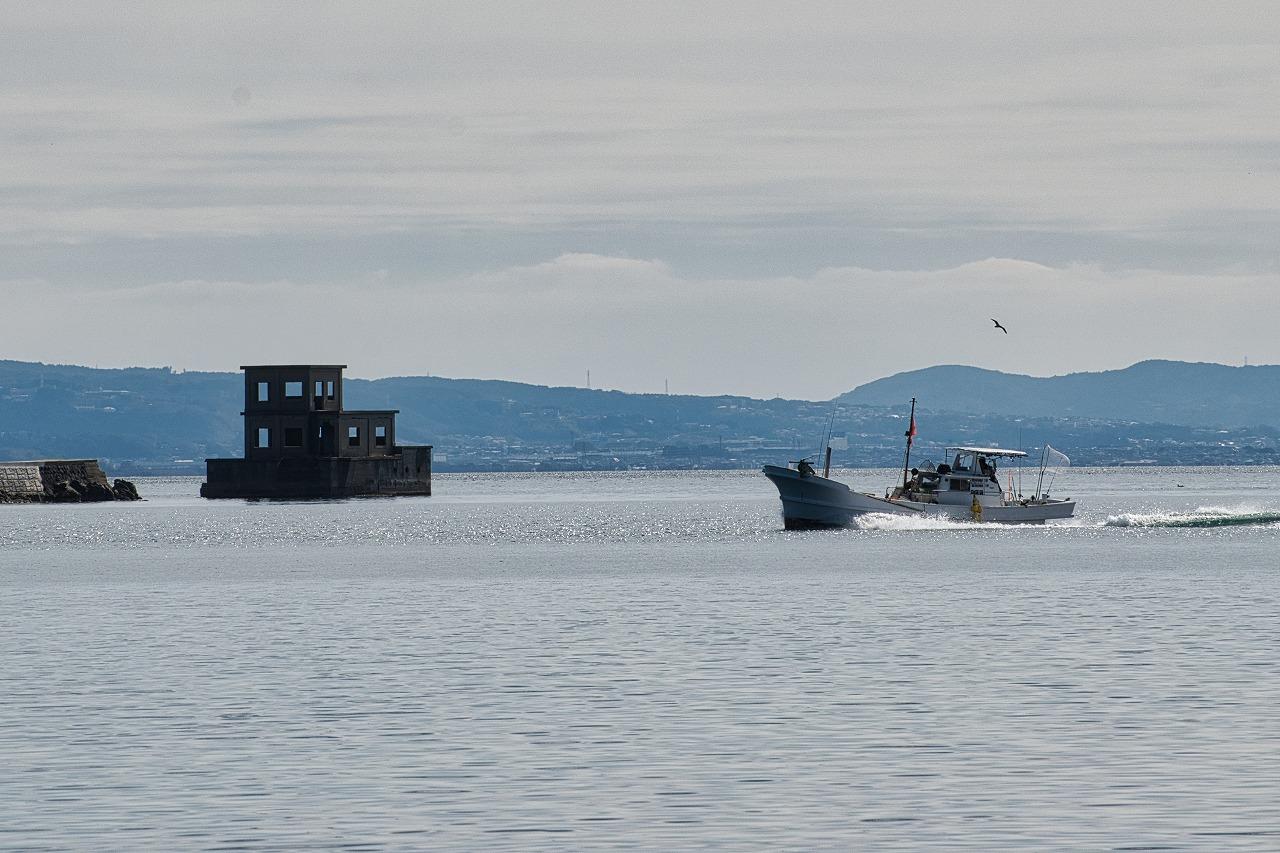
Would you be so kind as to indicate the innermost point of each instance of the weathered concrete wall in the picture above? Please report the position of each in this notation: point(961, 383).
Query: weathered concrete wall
point(84, 470)
point(408, 472)
point(20, 480)
point(60, 481)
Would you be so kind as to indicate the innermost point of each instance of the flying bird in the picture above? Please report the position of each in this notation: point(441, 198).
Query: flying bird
point(998, 326)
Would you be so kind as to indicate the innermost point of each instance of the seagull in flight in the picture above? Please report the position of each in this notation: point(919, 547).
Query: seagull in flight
point(998, 326)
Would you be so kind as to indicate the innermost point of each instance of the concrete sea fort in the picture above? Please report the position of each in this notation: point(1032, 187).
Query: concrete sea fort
point(299, 442)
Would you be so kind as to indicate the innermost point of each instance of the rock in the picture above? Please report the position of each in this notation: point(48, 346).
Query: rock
point(62, 492)
point(92, 491)
point(125, 491)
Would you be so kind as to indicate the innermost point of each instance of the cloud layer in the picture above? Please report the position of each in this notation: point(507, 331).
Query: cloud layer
point(164, 167)
point(725, 122)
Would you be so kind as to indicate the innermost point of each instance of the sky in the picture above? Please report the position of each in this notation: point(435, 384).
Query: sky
point(762, 199)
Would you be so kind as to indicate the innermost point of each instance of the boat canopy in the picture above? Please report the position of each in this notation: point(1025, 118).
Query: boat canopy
point(987, 451)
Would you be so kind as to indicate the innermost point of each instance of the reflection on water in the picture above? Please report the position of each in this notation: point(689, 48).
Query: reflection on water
point(642, 661)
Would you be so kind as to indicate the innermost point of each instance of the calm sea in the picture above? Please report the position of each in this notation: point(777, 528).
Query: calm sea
point(642, 661)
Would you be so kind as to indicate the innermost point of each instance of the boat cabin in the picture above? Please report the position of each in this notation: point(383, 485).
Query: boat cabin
point(968, 473)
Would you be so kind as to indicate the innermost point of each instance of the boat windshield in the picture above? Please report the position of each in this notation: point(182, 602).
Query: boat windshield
point(973, 463)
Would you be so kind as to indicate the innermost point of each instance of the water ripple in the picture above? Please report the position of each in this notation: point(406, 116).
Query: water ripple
point(655, 673)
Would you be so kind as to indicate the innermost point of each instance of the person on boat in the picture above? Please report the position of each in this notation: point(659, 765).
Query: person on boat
point(805, 469)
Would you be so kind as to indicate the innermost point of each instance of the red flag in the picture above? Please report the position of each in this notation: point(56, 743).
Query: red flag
point(911, 431)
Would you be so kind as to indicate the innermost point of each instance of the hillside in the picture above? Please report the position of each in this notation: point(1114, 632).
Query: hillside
point(153, 420)
point(137, 413)
point(156, 416)
point(1172, 392)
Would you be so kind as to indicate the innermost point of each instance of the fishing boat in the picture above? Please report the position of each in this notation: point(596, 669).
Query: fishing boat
point(967, 488)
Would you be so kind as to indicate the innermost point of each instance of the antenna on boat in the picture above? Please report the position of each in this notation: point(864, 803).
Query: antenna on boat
point(825, 439)
point(1044, 458)
point(911, 434)
point(1020, 458)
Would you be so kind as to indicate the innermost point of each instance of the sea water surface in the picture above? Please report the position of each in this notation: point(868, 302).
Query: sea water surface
point(642, 660)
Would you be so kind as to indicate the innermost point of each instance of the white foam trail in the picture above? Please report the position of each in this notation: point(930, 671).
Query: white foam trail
point(894, 521)
point(1205, 516)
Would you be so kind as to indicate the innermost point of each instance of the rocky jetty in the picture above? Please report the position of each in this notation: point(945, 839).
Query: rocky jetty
point(61, 481)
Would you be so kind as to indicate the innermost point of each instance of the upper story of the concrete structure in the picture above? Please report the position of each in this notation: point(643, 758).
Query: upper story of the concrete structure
point(293, 410)
point(290, 389)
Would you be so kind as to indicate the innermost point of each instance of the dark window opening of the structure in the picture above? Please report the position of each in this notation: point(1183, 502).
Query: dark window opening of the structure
point(264, 436)
point(353, 436)
point(319, 390)
point(293, 436)
point(329, 390)
point(293, 389)
point(380, 436)
point(264, 392)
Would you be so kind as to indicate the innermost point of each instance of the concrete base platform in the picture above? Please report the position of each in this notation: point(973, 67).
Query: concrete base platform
point(407, 472)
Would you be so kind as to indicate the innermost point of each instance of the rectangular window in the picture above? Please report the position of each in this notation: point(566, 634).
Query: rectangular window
point(293, 436)
point(293, 389)
point(380, 436)
point(264, 392)
point(353, 436)
point(329, 386)
point(264, 436)
point(319, 388)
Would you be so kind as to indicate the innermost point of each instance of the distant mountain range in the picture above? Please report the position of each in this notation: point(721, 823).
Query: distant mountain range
point(1169, 392)
point(157, 415)
point(156, 420)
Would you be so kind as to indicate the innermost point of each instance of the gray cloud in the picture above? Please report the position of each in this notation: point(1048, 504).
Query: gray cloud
point(746, 145)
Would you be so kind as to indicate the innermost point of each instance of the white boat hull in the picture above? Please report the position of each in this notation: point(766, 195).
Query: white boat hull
point(810, 501)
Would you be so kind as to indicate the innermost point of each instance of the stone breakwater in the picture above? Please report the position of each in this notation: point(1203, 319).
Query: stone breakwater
point(60, 481)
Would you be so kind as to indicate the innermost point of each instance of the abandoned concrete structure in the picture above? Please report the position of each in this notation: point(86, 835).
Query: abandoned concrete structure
point(300, 443)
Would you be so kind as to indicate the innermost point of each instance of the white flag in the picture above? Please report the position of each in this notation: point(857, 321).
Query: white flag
point(1055, 458)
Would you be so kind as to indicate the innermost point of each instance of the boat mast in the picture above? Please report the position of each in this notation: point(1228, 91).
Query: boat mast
point(911, 433)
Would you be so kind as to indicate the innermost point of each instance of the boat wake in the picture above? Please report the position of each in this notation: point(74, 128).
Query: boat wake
point(893, 521)
point(1205, 516)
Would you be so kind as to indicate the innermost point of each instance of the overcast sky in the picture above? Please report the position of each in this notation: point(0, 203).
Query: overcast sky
point(766, 199)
